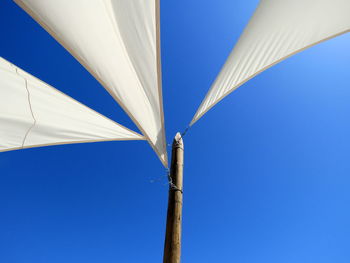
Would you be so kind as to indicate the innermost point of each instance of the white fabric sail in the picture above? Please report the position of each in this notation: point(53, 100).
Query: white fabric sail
point(34, 114)
point(118, 42)
point(277, 30)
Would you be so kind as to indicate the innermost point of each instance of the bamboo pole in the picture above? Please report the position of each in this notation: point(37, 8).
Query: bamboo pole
point(172, 246)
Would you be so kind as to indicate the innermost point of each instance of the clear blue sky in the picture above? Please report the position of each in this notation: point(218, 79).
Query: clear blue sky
point(267, 172)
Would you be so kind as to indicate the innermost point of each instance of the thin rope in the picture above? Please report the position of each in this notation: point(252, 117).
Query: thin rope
point(185, 131)
point(160, 179)
point(172, 186)
point(181, 135)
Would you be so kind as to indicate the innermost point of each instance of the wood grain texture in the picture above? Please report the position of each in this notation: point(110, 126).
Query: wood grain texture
point(172, 246)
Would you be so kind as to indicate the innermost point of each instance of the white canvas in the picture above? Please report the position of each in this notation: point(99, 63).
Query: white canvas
point(277, 30)
point(34, 114)
point(117, 41)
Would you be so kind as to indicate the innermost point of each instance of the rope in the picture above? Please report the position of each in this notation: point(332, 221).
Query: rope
point(158, 179)
point(172, 186)
point(185, 131)
point(181, 135)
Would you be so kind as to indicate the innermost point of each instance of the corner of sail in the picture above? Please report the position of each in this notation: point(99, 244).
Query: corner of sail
point(164, 157)
point(160, 151)
point(194, 120)
point(198, 114)
point(133, 135)
point(164, 160)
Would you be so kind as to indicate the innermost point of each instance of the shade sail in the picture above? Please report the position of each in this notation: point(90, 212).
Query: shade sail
point(117, 41)
point(34, 114)
point(277, 30)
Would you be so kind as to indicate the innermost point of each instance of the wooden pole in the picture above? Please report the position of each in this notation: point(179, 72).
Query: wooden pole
point(172, 246)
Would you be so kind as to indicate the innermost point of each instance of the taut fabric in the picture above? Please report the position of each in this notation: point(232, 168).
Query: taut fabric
point(277, 30)
point(117, 41)
point(34, 114)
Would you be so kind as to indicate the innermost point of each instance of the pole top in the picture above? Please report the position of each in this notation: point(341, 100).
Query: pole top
point(178, 140)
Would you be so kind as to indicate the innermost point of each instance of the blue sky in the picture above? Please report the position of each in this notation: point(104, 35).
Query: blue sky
point(267, 170)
